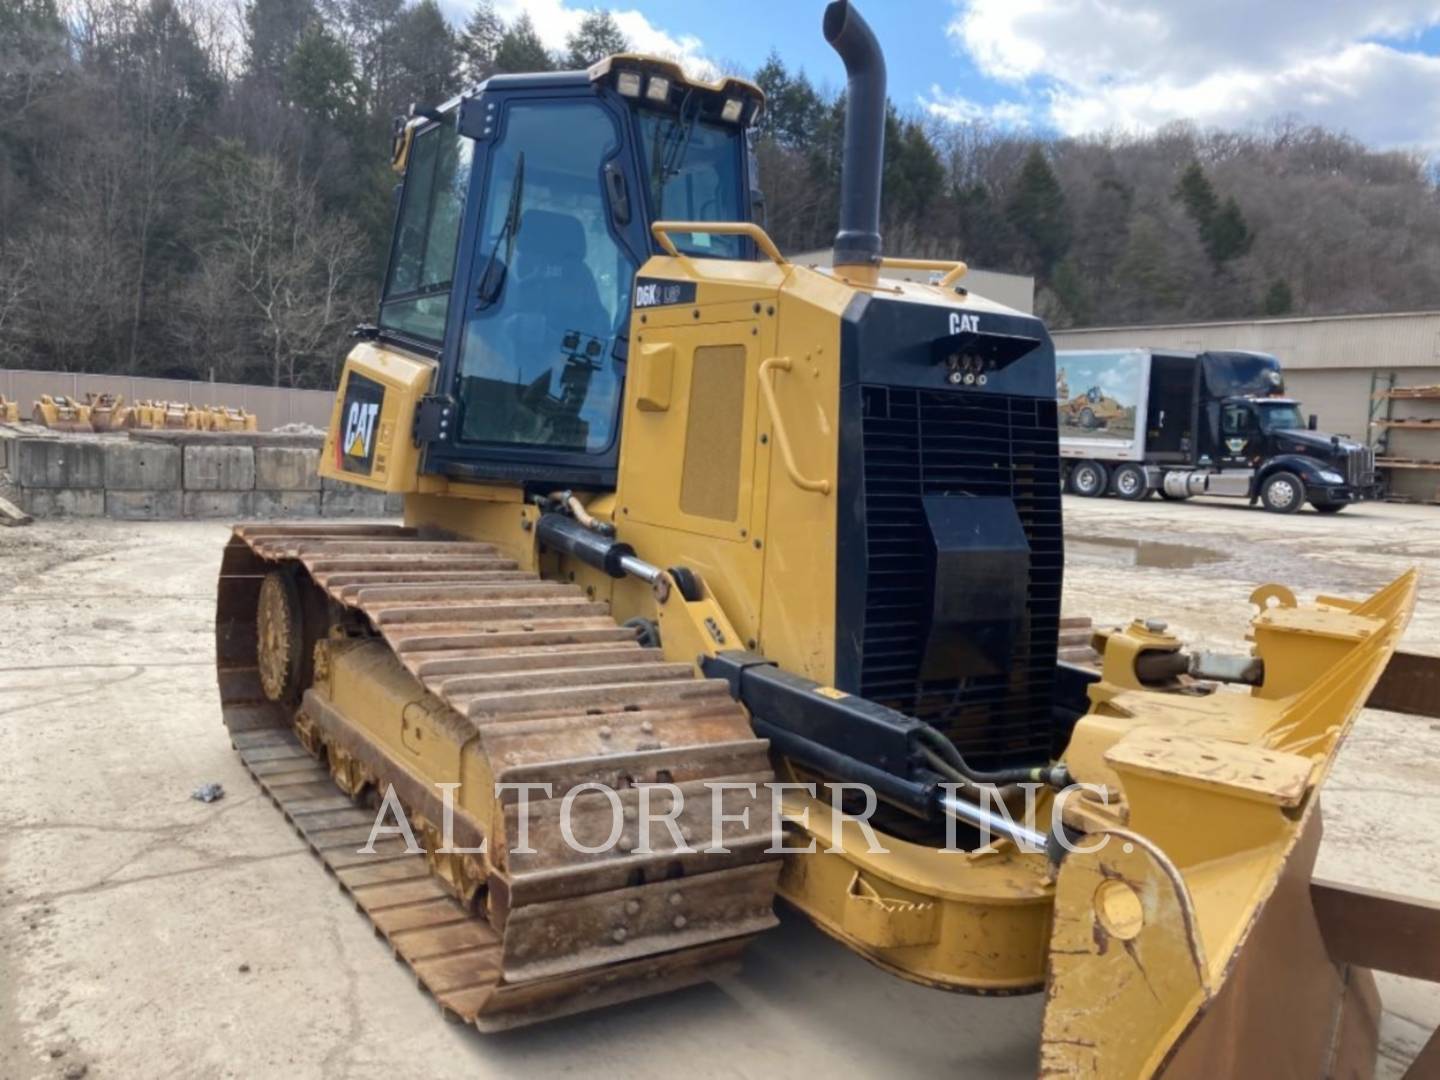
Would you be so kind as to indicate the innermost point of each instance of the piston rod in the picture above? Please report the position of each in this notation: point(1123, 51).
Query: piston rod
point(998, 824)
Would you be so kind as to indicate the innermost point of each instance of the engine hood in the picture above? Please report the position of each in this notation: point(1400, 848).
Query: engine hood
point(1314, 443)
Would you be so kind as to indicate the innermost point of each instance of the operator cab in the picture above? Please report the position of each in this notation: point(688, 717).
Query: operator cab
point(524, 215)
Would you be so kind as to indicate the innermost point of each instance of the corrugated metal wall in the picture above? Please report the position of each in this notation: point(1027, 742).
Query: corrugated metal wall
point(272, 407)
point(1341, 341)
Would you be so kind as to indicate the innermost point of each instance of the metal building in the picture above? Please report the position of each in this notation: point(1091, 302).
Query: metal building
point(1352, 371)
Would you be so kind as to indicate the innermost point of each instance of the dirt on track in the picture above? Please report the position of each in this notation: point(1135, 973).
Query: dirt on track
point(146, 934)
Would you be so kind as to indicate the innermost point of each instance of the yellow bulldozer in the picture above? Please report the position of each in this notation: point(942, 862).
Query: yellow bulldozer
point(9, 411)
point(722, 578)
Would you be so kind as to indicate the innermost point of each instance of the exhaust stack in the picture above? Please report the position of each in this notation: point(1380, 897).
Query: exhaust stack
point(858, 241)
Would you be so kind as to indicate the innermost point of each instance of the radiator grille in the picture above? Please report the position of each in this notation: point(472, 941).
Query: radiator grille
point(922, 442)
point(1360, 467)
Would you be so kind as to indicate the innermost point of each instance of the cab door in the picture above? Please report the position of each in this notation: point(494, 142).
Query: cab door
point(538, 350)
point(1239, 433)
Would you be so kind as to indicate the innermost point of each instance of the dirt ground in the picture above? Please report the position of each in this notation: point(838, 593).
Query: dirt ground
point(146, 934)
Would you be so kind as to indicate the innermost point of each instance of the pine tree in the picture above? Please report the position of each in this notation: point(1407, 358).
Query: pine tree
point(1195, 191)
point(273, 30)
point(319, 75)
point(1221, 226)
point(521, 50)
point(1279, 300)
point(479, 41)
point(425, 55)
point(597, 37)
point(1229, 236)
point(1037, 211)
point(772, 79)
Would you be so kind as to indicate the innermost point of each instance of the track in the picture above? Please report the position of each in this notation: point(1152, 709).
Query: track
point(535, 682)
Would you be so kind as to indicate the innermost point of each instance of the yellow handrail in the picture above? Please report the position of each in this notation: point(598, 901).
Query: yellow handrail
point(663, 229)
point(767, 391)
point(953, 269)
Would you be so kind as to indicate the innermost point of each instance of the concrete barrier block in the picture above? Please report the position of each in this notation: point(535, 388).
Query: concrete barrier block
point(60, 463)
point(287, 504)
point(286, 468)
point(144, 505)
point(143, 467)
point(352, 501)
point(43, 502)
point(219, 468)
point(229, 505)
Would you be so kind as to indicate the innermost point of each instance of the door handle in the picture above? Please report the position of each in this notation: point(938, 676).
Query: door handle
point(767, 392)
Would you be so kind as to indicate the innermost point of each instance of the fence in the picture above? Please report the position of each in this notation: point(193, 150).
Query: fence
point(272, 406)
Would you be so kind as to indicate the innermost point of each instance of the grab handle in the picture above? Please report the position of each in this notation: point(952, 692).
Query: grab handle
point(663, 229)
point(767, 391)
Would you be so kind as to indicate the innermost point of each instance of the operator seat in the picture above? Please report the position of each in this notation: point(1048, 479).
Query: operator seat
point(557, 291)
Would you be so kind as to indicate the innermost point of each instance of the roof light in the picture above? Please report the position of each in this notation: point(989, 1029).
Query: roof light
point(658, 89)
point(731, 110)
point(628, 83)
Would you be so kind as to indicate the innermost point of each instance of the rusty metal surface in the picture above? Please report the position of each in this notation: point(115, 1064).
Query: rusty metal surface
point(1410, 684)
point(554, 691)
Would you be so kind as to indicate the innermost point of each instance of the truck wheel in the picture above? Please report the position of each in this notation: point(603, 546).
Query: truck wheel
point(1087, 419)
point(1328, 507)
point(1089, 478)
point(1283, 493)
point(1129, 483)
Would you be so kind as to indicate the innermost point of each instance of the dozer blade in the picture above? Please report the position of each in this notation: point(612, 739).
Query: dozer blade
point(1186, 940)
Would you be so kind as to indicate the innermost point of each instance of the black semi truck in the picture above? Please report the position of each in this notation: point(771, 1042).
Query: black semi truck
point(1139, 421)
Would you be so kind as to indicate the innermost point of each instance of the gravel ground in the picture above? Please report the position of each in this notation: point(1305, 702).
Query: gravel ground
point(145, 934)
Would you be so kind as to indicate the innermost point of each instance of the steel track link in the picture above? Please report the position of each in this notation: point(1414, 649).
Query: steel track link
point(554, 691)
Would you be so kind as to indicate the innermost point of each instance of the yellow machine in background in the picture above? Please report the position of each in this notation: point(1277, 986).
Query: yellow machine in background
point(108, 412)
point(60, 413)
point(9, 411)
point(679, 513)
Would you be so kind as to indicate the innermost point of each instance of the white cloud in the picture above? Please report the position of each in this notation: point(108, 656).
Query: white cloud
point(957, 107)
point(556, 20)
point(1139, 64)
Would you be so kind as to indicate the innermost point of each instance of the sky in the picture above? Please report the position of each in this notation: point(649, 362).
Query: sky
point(1367, 67)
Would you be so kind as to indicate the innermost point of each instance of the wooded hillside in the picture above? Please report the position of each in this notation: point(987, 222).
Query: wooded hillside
point(191, 189)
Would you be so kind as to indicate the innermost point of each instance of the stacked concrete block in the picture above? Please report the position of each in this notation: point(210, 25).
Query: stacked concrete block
point(219, 468)
point(287, 484)
point(162, 475)
point(219, 481)
point(59, 477)
point(142, 481)
point(339, 499)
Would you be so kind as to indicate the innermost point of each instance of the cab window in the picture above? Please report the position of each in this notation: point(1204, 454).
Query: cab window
point(551, 285)
point(1237, 420)
point(422, 256)
point(693, 170)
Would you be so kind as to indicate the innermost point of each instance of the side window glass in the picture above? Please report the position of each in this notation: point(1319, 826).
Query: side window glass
point(1236, 420)
point(422, 263)
point(551, 286)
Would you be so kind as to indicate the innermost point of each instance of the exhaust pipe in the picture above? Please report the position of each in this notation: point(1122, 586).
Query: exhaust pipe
point(858, 241)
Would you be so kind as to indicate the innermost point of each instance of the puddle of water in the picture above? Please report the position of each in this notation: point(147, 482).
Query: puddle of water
point(1116, 551)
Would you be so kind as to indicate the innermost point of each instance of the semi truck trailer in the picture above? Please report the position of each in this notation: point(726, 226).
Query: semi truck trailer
point(1137, 422)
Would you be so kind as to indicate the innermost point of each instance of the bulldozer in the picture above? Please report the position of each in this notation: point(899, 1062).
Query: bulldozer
point(9, 411)
point(771, 555)
point(1091, 410)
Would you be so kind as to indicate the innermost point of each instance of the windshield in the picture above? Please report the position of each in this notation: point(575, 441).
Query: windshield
point(693, 171)
point(1280, 417)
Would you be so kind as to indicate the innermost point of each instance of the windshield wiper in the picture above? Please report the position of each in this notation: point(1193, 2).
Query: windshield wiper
point(493, 276)
point(676, 142)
